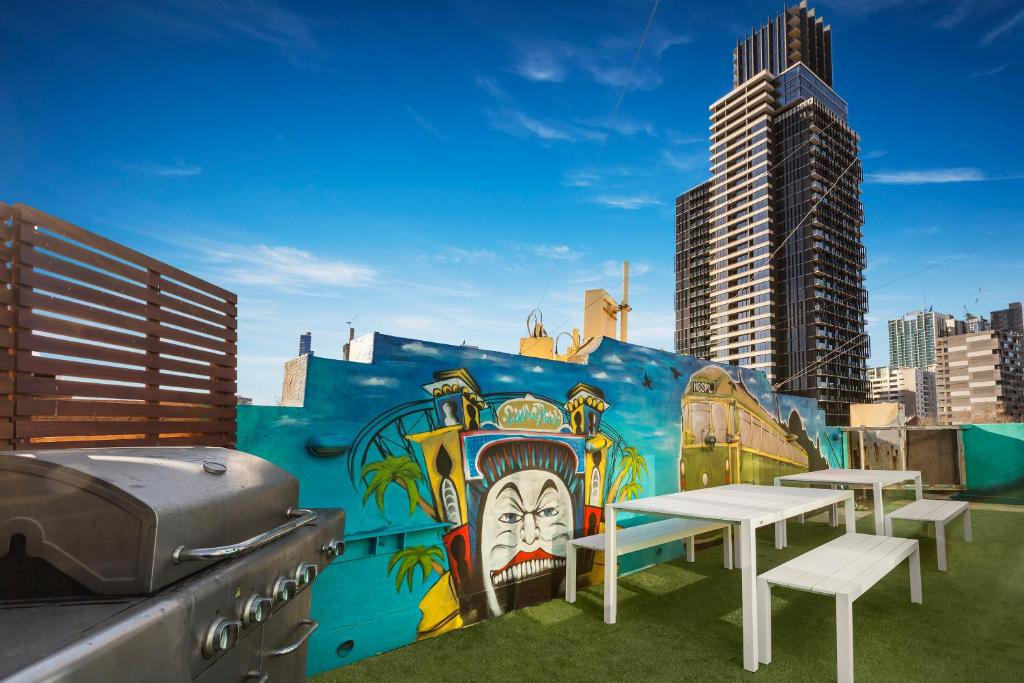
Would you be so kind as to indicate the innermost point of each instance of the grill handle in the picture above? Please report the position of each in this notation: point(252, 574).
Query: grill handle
point(288, 649)
point(303, 517)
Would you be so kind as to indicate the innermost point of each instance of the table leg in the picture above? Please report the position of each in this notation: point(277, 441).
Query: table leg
point(727, 546)
point(851, 517)
point(748, 567)
point(611, 566)
point(780, 526)
point(918, 487)
point(879, 510)
point(833, 511)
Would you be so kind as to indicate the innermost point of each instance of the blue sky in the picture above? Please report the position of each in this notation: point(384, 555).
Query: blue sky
point(439, 169)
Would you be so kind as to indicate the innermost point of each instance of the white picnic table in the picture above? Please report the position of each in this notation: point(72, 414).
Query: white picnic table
point(876, 479)
point(747, 505)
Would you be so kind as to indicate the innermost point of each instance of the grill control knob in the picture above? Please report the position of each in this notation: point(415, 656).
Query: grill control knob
point(221, 636)
point(284, 589)
point(305, 573)
point(333, 548)
point(256, 610)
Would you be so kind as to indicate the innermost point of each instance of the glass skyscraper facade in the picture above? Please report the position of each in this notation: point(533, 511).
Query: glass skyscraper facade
point(769, 251)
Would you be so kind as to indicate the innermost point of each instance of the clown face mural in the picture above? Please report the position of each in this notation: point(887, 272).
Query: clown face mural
point(526, 517)
point(513, 480)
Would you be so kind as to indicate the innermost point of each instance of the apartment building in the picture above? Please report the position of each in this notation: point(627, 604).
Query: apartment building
point(980, 377)
point(769, 251)
point(914, 387)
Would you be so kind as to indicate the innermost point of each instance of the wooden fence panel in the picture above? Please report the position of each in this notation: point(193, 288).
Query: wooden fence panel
point(105, 346)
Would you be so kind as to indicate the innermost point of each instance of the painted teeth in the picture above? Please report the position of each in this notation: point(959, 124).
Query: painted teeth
point(525, 570)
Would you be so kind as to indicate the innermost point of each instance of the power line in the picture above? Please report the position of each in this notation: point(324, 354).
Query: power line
point(629, 80)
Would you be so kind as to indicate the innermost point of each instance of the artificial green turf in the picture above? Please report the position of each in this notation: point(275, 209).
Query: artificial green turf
point(683, 621)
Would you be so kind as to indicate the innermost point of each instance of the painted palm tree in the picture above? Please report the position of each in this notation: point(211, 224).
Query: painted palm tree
point(401, 470)
point(632, 467)
point(427, 558)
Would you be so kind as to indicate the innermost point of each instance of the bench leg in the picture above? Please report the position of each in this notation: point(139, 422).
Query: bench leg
point(844, 639)
point(691, 549)
point(570, 573)
point(967, 525)
point(879, 509)
point(727, 546)
point(940, 544)
point(611, 566)
point(915, 575)
point(888, 525)
point(802, 518)
point(833, 512)
point(780, 534)
point(850, 512)
point(764, 621)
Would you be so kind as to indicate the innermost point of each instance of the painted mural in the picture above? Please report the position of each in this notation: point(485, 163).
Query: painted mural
point(464, 472)
point(514, 475)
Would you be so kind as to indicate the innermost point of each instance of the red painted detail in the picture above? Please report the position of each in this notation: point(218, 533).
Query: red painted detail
point(591, 519)
point(538, 554)
point(458, 562)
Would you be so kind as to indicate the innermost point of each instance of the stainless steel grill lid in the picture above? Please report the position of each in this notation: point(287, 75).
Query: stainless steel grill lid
point(111, 519)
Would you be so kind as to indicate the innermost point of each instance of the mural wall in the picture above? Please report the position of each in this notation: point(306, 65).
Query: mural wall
point(465, 472)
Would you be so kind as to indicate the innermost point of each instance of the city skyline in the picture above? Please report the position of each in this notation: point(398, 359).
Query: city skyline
point(441, 183)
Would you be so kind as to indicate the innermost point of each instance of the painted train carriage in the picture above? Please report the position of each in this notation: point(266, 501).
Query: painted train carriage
point(728, 437)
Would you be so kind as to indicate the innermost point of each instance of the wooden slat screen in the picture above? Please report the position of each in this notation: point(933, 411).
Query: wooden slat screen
point(107, 346)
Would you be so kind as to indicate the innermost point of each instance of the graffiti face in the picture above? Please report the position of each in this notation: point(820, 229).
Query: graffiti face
point(526, 522)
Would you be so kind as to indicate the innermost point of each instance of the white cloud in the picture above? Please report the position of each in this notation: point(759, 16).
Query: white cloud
point(613, 358)
point(287, 268)
point(601, 374)
point(423, 122)
point(990, 72)
point(553, 61)
point(521, 125)
point(613, 268)
point(622, 126)
point(460, 255)
point(580, 179)
point(175, 170)
point(377, 381)
point(289, 421)
point(674, 137)
point(924, 231)
point(1006, 26)
point(232, 21)
point(491, 87)
point(536, 368)
point(928, 176)
point(505, 379)
point(558, 252)
point(684, 162)
point(420, 349)
point(627, 202)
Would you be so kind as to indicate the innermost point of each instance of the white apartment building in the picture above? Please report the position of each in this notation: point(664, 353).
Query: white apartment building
point(914, 387)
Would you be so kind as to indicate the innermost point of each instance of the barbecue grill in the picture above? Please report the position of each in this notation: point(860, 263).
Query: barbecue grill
point(156, 564)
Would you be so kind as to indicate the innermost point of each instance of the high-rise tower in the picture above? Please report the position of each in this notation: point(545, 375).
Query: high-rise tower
point(769, 252)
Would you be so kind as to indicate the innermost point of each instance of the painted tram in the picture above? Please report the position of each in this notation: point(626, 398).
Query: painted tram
point(728, 437)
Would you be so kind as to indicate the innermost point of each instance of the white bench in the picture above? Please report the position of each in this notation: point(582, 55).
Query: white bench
point(630, 539)
point(846, 568)
point(938, 512)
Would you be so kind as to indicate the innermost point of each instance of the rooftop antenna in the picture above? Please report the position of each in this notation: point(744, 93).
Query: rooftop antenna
point(351, 335)
point(624, 307)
